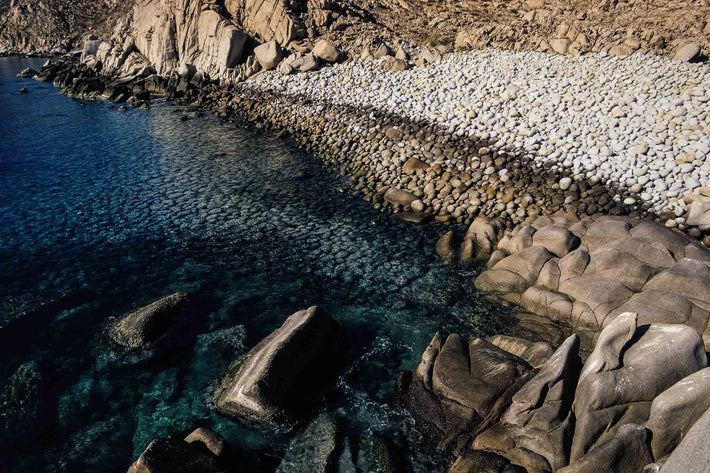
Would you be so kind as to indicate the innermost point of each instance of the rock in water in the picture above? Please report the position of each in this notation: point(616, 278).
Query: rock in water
point(693, 454)
point(146, 325)
point(283, 374)
point(174, 456)
point(27, 73)
point(208, 439)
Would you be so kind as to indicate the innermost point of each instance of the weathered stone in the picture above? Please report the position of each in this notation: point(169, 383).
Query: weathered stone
point(687, 53)
point(536, 430)
point(396, 196)
point(174, 456)
point(269, 55)
point(675, 410)
point(527, 263)
point(208, 439)
point(535, 353)
point(281, 376)
point(558, 241)
point(146, 325)
point(614, 390)
point(627, 452)
point(458, 387)
point(412, 165)
point(693, 454)
point(314, 450)
point(392, 64)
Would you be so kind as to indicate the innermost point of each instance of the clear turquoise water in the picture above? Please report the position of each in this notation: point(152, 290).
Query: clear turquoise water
point(105, 211)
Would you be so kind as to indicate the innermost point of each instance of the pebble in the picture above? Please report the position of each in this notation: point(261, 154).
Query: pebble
point(549, 106)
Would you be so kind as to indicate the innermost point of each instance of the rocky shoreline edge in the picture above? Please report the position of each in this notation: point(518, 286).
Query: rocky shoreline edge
point(509, 240)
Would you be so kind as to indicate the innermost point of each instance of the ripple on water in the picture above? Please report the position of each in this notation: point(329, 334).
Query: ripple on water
point(126, 207)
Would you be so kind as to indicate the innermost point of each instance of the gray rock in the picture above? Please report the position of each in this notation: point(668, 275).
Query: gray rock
point(269, 55)
point(148, 324)
point(460, 387)
point(282, 375)
point(536, 430)
point(687, 53)
point(627, 452)
point(614, 390)
point(315, 450)
point(693, 454)
point(557, 240)
point(208, 439)
point(675, 410)
point(326, 51)
point(174, 456)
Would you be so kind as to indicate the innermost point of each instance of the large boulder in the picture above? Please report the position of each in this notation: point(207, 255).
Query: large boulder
point(459, 388)
point(269, 55)
point(326, 51)
point(282, 375)
point(536, 430)
point(145, 326)
point(620, 380)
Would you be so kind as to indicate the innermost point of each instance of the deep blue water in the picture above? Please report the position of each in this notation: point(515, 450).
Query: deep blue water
point(103, 211)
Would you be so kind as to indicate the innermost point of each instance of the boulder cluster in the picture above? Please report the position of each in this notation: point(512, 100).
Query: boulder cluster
point(584, 273)
point(497, 405)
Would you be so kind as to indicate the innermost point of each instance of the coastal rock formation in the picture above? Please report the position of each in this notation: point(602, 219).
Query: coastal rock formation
point(637, 397)
point(281, 376)
point(148, 324)
point(614, 390)
point(536, 430)
point(586, 272)
point(458, 387)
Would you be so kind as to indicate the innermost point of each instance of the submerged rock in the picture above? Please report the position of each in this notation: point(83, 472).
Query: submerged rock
point(281, 376)
point(315, 450)
point(148, 324)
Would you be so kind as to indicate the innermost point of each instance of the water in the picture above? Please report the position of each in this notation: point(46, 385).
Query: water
point(103, 211)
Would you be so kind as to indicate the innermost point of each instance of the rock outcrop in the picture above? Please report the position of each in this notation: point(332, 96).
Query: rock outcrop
point(458, 387)
point(280, 377)
point(586, 272)
point(637, 397)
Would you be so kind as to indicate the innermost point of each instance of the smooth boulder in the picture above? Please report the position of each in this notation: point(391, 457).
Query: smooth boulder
point(283, 374)
point(148, 324)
